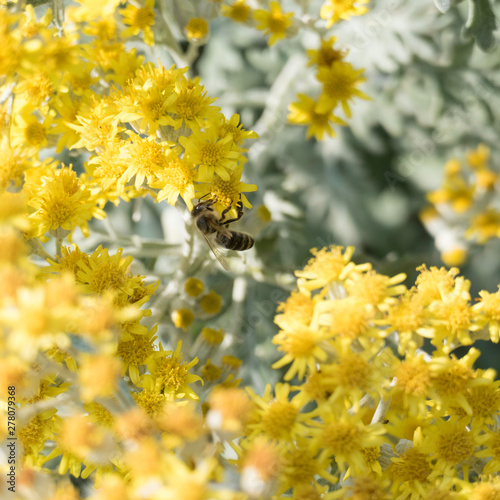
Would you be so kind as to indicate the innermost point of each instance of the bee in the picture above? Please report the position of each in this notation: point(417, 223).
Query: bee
point(214, 227)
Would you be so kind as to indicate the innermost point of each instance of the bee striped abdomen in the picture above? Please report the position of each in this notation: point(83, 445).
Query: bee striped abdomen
point(238, 241)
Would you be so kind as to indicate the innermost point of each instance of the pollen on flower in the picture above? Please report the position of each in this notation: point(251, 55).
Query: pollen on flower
point(35, 134)
point(412, 466)
point(413, 377)
point(279, 419)
point(431, 282)
point(150, 401)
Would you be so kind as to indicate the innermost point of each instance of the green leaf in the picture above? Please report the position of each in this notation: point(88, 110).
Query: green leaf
point(443, 5)
point(481, 24)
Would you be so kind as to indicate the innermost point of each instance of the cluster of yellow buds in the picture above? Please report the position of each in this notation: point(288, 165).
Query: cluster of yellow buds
point(464, 209)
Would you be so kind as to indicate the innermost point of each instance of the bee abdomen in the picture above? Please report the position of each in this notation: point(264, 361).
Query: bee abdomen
point(238, 241)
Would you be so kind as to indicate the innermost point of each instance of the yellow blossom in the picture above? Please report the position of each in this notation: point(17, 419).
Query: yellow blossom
point(238, 11)
point(212, 156)
point(335, 10)
point(306, 112)
point(171, 375)
point(340, 82)
point(274, 22)
point(139, 19)
point(193, 287)
point(197, 29)
point(211, 303)
point(182, 318)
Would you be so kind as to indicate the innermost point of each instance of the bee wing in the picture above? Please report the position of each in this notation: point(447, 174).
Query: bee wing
point(220, 229)
point(215, 250)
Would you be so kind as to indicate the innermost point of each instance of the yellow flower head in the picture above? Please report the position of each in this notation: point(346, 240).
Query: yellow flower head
point(139, 19)
point(274, 22)
point(238, 11)
point(335, 10)
point(305, 112)
point(197, 29)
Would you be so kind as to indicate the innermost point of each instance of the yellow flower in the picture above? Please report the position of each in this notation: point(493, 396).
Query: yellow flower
point(193, 287)
point(305, 112)
point(340, 82)
point(451, 442)
point(182, 318)
point(134, 353)
point(171, 375)
point(96, 127)
point(278, 418)
point(274, 22)
point(60, 200)
point(302, 347)
point(147, 106)
point(197, 29)
point(211, 303)
point(345, 436)
point(233, 126)
point(413, 381)
point(326, 54)
point(327, 266)
point(238, 11)
point(29, 132)
point(335, 10)
point(228, 192)
point(489, 309)
point(212, 156)
point(139, 19)
point(174, 179)
point(192, 106)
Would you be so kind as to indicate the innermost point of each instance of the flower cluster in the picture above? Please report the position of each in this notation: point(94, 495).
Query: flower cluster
point(372, 415)
point(339, 81)
point(464, 209)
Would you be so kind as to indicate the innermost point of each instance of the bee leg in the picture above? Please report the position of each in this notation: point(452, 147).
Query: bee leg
point(223, 215)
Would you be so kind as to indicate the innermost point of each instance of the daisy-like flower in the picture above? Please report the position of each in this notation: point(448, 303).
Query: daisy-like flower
point(29, 132)
point(171, 375)
point(278, 418)
point(192, 105)
point(144, 158)
point(96, 127)
point(175, 179)
point(327, 266)
point(326, 54)
point(340, 82)
point(233, 126)
point(335, 10)
point(488, 312)
point(139, 19)
point(228, 192)
point(238, 11)
point(302, 347)
point(197, 29)
point(59, 199)
point(146, 106)
point(274, 22)
point(134, 353)
point(344, 437)
point(212, 156)
point(305, 112)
